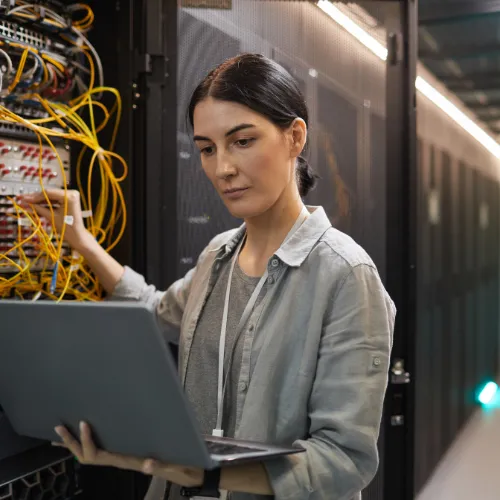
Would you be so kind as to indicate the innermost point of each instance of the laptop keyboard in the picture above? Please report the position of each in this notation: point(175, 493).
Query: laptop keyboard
point(216, 448)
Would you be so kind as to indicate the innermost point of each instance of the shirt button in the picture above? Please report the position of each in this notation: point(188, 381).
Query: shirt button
point(243, 386)
point(270, 280)
point(376, 361)
point(275, 263)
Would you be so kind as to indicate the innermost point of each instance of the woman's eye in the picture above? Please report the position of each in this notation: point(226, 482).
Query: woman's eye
point(244, 142)
point(207, 151)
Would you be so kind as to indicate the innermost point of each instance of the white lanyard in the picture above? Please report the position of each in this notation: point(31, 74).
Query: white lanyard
point(244, 318)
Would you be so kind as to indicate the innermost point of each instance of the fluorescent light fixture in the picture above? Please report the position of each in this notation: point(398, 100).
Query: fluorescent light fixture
point(463, 120)
point(422, 85)
point(356, 31)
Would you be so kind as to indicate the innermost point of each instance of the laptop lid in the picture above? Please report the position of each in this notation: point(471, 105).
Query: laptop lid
point(105, 363)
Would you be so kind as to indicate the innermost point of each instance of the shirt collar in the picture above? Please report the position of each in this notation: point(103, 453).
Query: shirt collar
point(295, 251)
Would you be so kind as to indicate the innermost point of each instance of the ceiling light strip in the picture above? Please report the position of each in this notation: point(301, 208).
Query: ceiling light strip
point(422, 85)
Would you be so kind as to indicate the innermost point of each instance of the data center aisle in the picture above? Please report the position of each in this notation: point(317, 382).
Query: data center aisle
point(471, 467)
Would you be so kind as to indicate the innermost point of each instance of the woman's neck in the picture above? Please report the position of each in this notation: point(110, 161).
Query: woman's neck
point(265, 233)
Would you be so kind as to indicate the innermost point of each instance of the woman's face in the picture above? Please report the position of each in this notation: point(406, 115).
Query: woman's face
point(248, 159)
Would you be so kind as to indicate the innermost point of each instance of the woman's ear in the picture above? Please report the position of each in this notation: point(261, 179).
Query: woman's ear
point(298, 134)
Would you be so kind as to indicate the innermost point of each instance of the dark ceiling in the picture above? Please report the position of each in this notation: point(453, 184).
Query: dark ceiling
point(459, 42)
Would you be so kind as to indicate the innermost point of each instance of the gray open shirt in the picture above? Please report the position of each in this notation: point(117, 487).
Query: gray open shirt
point(315, 357)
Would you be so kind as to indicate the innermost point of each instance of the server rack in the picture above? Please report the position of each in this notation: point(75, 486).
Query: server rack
point(142, 56)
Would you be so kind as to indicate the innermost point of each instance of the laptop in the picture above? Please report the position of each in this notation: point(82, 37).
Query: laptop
point(107, 364)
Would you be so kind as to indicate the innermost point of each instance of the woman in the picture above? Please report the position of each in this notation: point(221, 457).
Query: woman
point(307, 365)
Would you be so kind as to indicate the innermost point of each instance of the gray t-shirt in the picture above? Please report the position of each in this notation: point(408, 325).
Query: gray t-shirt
point(203, 364)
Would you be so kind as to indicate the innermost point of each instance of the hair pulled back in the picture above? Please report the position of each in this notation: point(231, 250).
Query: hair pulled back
point(265, 87)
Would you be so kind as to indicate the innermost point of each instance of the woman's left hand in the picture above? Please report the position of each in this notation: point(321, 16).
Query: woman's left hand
point(86, 453)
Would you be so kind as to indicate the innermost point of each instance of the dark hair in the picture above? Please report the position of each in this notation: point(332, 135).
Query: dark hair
point(265, 87)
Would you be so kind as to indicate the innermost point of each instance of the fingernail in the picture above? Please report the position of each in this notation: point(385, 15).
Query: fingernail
point(58, 431)
point(82, 426)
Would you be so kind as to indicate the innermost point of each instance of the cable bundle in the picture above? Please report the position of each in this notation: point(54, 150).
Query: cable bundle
point(46, 79)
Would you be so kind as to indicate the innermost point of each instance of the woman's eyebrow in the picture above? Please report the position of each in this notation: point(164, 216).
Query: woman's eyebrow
point(242, 126)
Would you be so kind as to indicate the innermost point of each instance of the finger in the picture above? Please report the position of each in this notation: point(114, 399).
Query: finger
point(89, 449)
point(42, 211)
point(27, 203)
point(52, 194)
point(70, 442)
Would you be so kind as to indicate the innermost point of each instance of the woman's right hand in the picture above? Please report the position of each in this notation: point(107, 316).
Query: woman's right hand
point(75, 233)
point(107, 270)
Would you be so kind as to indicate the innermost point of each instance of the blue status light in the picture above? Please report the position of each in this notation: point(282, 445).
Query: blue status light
point(487, 393)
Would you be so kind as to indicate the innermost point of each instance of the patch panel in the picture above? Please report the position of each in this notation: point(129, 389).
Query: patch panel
point(25, 168)
point(17, 131)
point(16, 33)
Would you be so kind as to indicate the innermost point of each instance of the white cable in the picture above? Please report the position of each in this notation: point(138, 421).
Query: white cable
point(49, 13)
point(56, 17)
point(83, 88)
point(20, 8)
point(57, 70)
point(81, 67)
point(9, 61)
point(57, 57)
point(96, 57)
point(50, 80)
point(28, 74)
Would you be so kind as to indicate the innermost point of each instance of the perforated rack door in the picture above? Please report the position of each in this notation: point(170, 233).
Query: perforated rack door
point(332, 70)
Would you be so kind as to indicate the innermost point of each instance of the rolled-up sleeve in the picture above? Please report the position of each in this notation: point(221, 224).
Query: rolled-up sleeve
point(345, 405)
